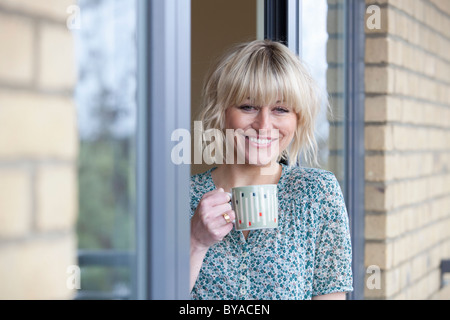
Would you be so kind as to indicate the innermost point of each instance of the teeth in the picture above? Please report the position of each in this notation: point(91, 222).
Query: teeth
point(260, 141)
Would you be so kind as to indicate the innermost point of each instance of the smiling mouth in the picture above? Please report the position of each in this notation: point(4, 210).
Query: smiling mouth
point(260, 141)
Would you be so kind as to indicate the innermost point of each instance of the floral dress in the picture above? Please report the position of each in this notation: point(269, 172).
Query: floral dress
point(308, 254)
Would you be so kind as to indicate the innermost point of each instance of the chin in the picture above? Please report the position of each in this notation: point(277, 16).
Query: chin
point(265, 162)
point(256, 156)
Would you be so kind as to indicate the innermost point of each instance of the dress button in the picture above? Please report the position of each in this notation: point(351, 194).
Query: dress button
point(243, 291)
point(243, 278)
point(243, 266)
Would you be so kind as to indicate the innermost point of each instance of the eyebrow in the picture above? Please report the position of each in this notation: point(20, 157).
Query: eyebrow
point(279, 101)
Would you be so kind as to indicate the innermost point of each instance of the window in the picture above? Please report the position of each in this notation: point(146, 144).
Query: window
point(106, 104)
point(135, 89)
point(132, 94)
point(329, 37)
point(331, 44)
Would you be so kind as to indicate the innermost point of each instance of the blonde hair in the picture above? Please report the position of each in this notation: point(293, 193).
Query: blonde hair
point(266, 71)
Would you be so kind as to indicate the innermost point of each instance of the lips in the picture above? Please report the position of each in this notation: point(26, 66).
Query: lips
point(260, 141)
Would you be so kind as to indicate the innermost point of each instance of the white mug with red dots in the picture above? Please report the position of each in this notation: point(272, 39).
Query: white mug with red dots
point(256, 207)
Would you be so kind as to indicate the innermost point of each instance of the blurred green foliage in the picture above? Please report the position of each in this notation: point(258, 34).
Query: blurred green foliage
point(106, 194)
point(106, 207)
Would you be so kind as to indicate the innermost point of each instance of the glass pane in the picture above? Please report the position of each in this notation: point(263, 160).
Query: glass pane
point(323, 50)
point(212, 35)
point(106, 104)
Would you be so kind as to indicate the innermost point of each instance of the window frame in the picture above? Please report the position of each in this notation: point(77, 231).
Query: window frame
point(354, 136)
point(163, 95)
point(283, 23)
point(162, 249)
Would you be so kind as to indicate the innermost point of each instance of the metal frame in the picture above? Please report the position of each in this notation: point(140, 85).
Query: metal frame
point(276, 20)
point(162, 223)
point(445, 268)
point(283, 23)
point(354, 136)
point(293, 27)
point(110, 259)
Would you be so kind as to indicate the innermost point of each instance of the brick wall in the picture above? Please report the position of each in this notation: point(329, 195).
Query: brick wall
point(407, 140)
point(38, 150)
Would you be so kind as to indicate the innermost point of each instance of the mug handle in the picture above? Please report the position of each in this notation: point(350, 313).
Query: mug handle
point(232, 206)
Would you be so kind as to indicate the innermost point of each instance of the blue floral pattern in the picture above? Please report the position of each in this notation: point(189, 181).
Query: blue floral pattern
point(308, 254)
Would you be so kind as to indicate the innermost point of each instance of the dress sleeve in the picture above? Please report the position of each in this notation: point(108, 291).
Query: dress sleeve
point(333, 252)
point(195, 194)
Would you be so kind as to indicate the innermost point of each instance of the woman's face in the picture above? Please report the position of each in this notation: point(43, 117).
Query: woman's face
point(261, 133)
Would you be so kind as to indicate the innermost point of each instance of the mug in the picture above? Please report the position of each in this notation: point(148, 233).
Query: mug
point(256, 207)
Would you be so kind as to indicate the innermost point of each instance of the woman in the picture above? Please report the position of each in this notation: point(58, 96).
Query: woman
point(263, 93)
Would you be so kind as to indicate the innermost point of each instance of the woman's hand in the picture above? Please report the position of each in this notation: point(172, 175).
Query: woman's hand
point(208, 225)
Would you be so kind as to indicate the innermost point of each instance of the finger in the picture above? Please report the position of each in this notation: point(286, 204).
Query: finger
point(212, 193)
point(225, 218)
point(228, 217)
point(216, 198)
point(224, 230)
point(232, 215)
point(220, 209)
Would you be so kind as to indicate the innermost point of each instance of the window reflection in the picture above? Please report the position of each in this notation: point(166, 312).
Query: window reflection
point(106, 104)
point(322, 49)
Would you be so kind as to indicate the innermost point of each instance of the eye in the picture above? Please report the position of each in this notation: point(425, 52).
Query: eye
point(246, 108)
point(281, 109)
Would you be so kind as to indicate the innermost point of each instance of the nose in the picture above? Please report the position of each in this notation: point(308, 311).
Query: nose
point(263, 120)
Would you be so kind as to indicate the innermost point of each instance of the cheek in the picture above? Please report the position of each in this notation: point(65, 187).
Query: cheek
point(231, 119)
point(289, 136)
point(291, 127)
